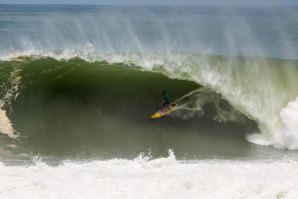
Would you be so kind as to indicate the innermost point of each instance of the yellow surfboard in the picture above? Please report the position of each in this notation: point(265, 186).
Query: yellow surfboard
point(165, 110)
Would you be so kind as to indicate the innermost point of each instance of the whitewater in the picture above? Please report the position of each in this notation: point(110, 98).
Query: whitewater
point(158, 178)
point(78, 84)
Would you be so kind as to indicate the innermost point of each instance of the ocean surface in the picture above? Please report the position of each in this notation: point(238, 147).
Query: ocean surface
point(78, 85)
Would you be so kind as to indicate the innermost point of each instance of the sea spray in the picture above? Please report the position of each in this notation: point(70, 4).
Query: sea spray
point(289, 118)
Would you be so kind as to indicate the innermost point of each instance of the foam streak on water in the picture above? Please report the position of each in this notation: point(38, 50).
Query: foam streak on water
point(158, 178)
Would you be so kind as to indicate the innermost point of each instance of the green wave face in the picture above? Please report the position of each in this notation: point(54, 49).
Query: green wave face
point(78, 109)
point(75, 108)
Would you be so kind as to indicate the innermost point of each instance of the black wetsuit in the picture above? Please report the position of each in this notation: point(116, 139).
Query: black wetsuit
point(166, 99)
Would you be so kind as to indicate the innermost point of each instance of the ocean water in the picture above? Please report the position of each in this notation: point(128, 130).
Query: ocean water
point(79, 83)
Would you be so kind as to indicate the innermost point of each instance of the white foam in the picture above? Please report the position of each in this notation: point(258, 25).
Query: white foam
point(159, 178)
point(10, 94)
point(259, 139)
point(6, 125)
point(289, 117)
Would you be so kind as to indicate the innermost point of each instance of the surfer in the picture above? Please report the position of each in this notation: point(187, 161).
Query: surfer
point(167, 106)
point(165, 98)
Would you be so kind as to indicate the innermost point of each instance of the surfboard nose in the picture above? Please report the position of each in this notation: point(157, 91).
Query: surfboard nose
point(156, 115)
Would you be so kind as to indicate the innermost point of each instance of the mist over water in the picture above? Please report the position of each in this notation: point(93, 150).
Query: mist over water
point(99, 29)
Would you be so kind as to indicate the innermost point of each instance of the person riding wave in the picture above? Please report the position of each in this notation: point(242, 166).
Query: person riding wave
point(165, 98)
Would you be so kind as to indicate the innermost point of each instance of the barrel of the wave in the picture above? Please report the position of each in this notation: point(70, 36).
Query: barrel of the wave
point(164, 111)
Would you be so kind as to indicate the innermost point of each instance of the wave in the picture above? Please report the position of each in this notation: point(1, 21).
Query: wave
point(58, 102)
point(123, 88)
